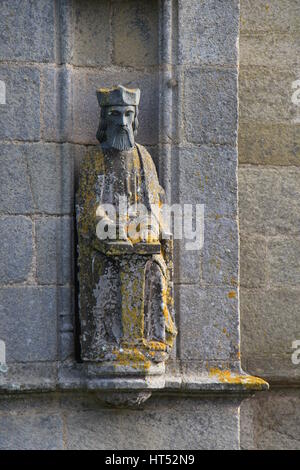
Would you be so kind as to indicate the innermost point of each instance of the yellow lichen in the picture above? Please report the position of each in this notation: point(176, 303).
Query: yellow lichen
point(154, 345)
point(226, 376)
point(132, 358)
point(231, 294)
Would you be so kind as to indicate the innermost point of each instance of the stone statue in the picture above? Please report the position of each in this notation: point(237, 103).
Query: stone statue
point(124, 252)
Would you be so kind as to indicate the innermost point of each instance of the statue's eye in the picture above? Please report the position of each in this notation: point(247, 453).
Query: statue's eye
point(128, 113)
point(114, 113)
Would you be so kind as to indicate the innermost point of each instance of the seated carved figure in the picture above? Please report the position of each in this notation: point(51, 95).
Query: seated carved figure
point(124, 253)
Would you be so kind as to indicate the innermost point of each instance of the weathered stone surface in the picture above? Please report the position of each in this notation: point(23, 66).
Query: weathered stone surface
point(186, 264)
point(208, 31)
point(265, 95)
point(28, 323)
point(65, 23)
point(15, 195)
point(67, 346)
point(207, 175)
point(273, 51)
point(65, 308)
point(54, 242)
point(41, 376)
point(135, 33)
point(269, 144)
point(183, 424)
point(278, 15)
point(220, 252)
point(66, 321)
point(78, 154)
point(36, 178)
point(269, 200)
point(20, 116)
point(23, 431)
point(247, 424)
point(50, 168)
point(56, 106)
point(91, 40)
point(253, 261)
point(86, 108)
point(155, 154)
point(284, 261)
point(210, 106)
point(275, 368)
point(208, 323)
point(270, 421)
point(16, 249)
point(269, 203)
point(21, 403)
point(27, 33)
point(270, 321)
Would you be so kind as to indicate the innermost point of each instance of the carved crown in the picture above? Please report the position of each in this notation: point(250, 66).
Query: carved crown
point(118, 96)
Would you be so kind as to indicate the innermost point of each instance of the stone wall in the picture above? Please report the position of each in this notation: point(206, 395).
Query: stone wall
point(53, 59)
point(78, 421)
point(269, 194)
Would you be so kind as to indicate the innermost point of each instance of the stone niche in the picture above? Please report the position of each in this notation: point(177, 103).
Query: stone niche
point(188, 108)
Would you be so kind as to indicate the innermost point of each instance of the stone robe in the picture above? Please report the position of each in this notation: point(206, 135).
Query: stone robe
point(125, 301)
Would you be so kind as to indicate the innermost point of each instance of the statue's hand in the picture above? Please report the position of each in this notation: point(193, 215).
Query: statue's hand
point(149, 236)
point(109, 231)
point(121, 233)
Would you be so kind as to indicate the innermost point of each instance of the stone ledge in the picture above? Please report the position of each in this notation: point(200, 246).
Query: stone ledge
point(74, 377)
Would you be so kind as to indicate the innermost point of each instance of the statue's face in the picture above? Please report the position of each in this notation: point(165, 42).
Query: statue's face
point(119, 132)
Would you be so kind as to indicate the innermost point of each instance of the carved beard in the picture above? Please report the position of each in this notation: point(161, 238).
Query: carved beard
point(123, 140)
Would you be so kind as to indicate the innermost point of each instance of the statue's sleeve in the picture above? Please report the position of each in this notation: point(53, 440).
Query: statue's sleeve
point(87, 203)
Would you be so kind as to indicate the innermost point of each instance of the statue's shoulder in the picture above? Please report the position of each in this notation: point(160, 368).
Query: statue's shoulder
point(93, 162)
point(143, 150)
point(151, 172)
point(146, 157)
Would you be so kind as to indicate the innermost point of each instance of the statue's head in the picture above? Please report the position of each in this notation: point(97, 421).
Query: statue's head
point(119, 117)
